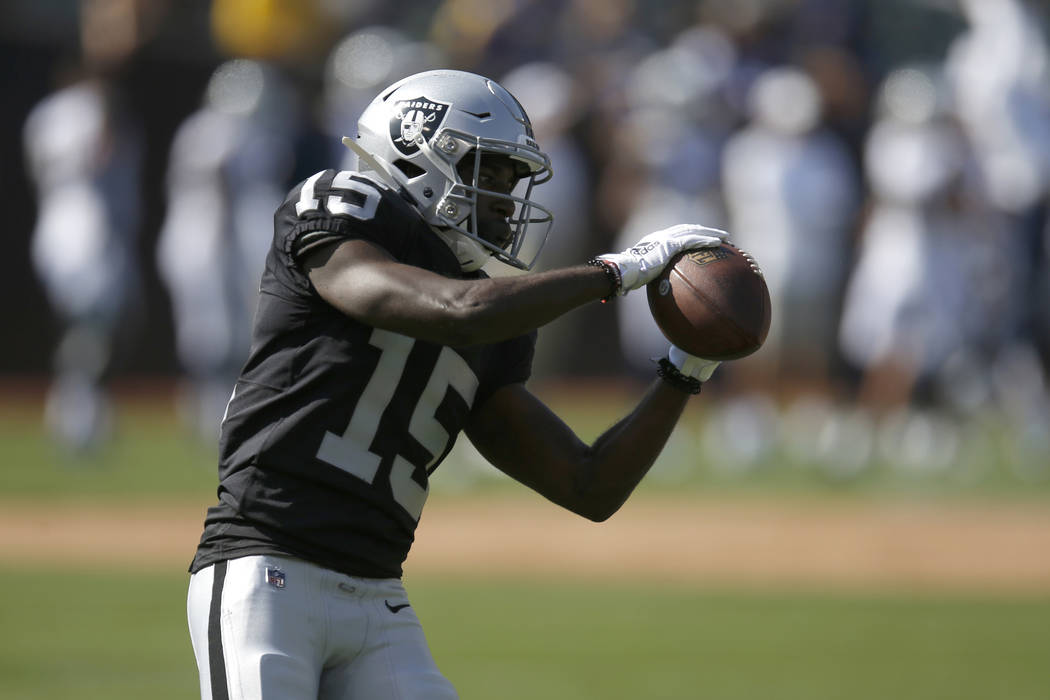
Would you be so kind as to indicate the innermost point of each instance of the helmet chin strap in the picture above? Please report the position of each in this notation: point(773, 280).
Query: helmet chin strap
point(470, 254)
point(381, 168)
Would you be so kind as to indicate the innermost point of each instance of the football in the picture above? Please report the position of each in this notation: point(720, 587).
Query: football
point(712, 303)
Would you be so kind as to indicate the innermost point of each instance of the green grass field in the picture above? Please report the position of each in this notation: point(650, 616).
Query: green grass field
point(121, 633)
point(118, 634)
point(151, 456)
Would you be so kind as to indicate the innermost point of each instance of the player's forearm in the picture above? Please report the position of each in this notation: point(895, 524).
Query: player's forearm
point(504, 307)
point(623, 455)
point(364, 282)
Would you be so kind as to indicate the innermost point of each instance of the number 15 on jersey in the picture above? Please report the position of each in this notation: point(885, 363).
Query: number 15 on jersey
point(351, 451)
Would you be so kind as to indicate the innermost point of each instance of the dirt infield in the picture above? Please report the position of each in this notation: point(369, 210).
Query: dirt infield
point(827, 545)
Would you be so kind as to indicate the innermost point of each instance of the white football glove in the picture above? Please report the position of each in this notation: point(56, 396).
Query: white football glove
point(642, 262)
point(695, 367)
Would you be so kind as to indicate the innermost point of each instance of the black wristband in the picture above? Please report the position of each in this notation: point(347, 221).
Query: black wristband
point(612, 272)
point(671, 374)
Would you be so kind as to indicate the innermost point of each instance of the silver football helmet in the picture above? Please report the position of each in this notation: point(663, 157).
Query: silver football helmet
point(415, 134)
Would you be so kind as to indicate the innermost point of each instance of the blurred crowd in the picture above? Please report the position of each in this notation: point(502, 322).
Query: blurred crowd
point(887, 163)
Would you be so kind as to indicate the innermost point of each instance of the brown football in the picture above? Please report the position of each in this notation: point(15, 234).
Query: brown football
point(712, 303)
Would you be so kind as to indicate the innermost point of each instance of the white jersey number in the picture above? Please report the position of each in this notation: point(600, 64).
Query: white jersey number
point(351, 451)
point(336, 204)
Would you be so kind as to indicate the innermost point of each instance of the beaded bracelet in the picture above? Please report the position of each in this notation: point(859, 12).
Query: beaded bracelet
point(612, 272)
point(673, 376)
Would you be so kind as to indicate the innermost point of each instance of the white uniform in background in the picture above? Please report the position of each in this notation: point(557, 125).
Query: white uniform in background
point(792, 193)
point(675, 130)
point(227, 174)
point(84, 159)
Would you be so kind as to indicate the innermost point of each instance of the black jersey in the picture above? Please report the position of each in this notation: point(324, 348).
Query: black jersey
point(334, 426)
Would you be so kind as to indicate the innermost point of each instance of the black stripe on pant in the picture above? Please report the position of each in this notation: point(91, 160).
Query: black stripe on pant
point(216, 661)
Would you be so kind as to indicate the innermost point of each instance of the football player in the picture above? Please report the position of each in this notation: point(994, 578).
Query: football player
point(378, 340)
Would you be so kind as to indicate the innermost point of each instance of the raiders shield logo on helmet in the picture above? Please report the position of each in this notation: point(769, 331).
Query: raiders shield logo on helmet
point(414, 118)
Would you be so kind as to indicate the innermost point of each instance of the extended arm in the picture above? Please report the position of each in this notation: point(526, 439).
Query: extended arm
point(519, 435)
point(361, 280)
point(513, 429)
point(364, 282)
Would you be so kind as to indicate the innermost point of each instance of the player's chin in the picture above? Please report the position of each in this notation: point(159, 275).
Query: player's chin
point(495, 231)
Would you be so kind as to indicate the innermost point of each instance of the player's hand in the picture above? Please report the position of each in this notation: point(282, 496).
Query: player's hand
point(696, 367)
point(642, 262)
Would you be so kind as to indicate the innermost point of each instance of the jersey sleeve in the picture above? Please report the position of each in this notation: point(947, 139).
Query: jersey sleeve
point(333, 206)
point(512, 364)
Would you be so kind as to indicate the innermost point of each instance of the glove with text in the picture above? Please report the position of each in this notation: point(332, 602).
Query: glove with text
point(642, 262)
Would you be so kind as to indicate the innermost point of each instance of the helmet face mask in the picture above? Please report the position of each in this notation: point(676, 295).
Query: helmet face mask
point(430, 134)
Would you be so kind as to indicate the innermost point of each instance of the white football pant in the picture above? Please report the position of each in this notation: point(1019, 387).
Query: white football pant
point(276, 628)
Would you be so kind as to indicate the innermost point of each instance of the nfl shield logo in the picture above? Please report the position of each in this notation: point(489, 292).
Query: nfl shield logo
point(414, 118)
point(703, 256)
point(275, 577)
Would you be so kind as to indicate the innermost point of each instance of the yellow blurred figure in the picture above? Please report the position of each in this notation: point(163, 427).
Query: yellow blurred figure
point(266, 29)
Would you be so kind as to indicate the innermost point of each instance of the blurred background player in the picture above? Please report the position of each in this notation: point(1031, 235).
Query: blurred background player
point(83, 154)
point(665, 167)
point(792, 192)
point(938, 274)
point(1003, 107)
point(228, 170)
